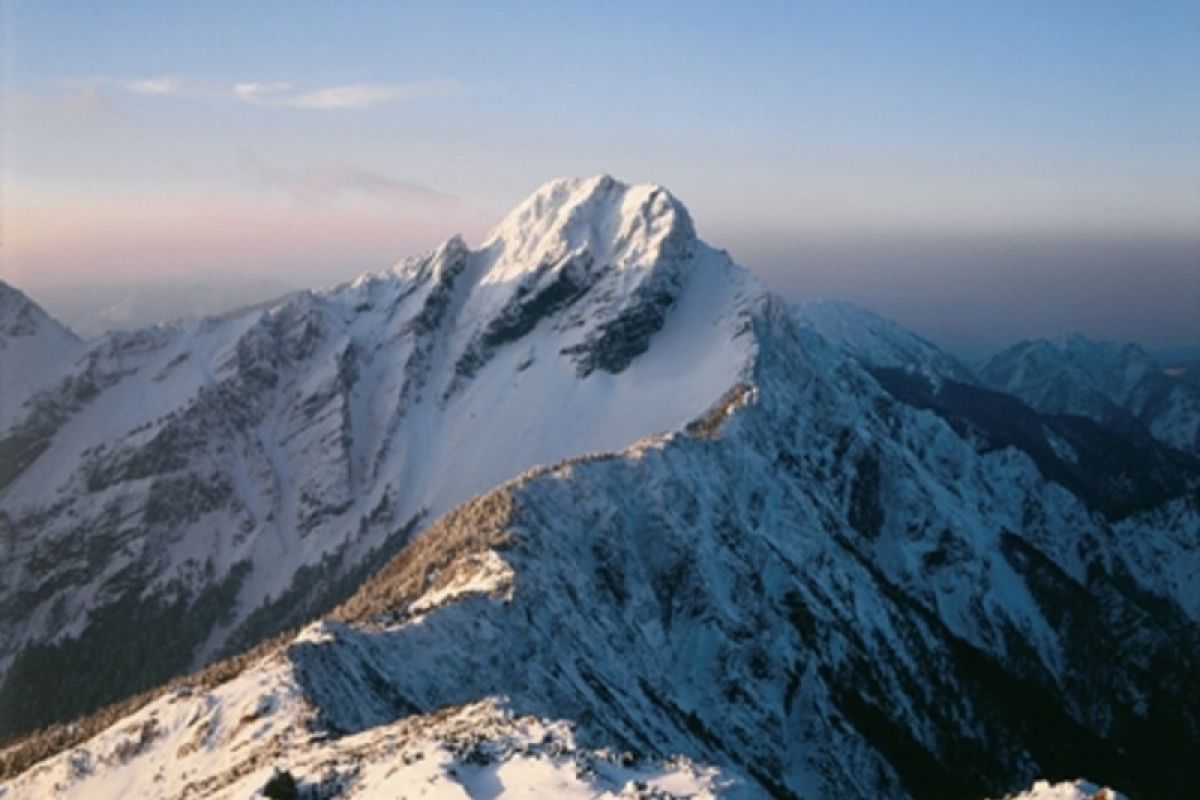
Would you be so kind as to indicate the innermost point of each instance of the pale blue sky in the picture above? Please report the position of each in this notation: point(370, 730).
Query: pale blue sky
point(860, 149)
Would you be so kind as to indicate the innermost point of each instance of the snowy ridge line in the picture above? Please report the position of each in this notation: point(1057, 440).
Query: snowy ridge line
point(252, 735)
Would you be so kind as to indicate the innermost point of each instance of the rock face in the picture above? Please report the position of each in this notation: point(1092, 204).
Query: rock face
point(1118, 384)
point(778, 573)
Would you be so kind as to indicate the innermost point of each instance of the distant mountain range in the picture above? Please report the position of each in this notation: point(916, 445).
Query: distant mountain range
point(589, 508)
point(1115, 383)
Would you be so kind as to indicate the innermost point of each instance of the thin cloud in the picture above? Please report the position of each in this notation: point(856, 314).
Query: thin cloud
point(260, 93)
point(344, 96)
point(75, 106)
point(278, 94)
point(165, 85)
point(329, 183)
point(154, 85)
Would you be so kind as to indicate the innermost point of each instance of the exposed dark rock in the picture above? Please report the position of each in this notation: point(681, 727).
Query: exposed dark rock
point(281, 786)
point(615, 344)
point(865, 512)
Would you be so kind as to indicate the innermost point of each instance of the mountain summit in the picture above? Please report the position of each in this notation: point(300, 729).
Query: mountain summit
point(621, 226)
point(584, 508)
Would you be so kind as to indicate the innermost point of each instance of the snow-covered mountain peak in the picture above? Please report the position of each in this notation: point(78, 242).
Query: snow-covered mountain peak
point(431, 265)
point(612, 223)
point(1077, 347)
point(594, 262)
point(32, 345)
point(20, 317)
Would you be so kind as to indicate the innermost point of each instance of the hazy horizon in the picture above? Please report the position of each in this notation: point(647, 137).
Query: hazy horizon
point(820, 270)
point(981, 175)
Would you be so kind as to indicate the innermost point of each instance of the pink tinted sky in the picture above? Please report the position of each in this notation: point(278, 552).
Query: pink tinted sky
point(65, 238)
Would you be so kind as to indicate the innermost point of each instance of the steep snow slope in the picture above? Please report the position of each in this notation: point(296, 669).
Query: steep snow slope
point(813, 587)
point(1114, 383)
point(878, 342)
point(186, 490)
